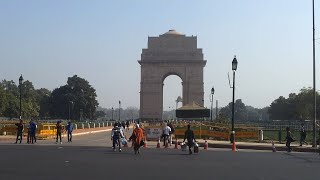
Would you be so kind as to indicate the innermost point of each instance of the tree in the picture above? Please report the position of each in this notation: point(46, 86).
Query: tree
point(295, 107)
point(3, 100)
point(43, 99)
point(99, 114)
point(78, 96)
point(30, 105)
point(240, 111)
point(9, 101)
point(279, 108)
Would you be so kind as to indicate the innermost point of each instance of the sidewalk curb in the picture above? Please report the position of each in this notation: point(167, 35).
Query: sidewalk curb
point(256, 147)
point(91, 132)
point(262, 147)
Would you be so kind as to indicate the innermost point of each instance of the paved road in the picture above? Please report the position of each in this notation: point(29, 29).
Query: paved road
point(90, 157)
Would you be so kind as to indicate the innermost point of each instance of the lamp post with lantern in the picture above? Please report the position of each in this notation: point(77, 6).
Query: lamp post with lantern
point(20, 87)
point(234, 68)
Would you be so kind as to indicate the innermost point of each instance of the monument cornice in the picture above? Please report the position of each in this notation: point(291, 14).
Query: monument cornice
point(173, 61)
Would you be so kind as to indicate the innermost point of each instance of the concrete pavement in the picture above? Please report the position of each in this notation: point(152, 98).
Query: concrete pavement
point(211, 143)
point(90, 157)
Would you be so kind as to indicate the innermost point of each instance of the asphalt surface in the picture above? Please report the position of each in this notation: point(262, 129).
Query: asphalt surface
point(91, 157)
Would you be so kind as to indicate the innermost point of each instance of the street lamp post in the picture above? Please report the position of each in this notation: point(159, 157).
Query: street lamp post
point(234, 68)
point(212, 92)
point(112, 114)
point(119, 110)
point(314, 143)
point(20, 87)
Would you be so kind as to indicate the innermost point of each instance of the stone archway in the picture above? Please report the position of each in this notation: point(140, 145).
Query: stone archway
point(171, 53)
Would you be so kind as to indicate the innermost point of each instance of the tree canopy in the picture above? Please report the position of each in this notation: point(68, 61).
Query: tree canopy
point(295, 107)
point(77, 97)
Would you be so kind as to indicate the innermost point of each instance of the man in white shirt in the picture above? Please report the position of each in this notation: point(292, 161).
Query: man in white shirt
point(166, 133)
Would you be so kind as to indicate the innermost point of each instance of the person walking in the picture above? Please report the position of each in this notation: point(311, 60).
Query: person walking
point(20, 128)
point(127, 124)
point(171, 133)
point(303, 135)
point(33, 130)
point(137, 139)
point(59, 132)
point(189, 135)
point(166, 133)
point(289, 139)
point(116, 134)
point(69, 129)
point(123, 124)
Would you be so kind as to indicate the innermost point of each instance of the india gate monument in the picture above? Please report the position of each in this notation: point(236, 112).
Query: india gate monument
point(172, 53)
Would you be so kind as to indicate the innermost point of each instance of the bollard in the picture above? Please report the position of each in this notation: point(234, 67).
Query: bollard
point(261, 135)
point(76, 126)
point(82, 126)
point(88, 125)
point(103, 124)
point(94, 125)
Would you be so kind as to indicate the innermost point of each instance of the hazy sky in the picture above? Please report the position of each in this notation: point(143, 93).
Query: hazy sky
point(101, 41)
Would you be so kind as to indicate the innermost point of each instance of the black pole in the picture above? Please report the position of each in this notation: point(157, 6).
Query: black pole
point(232, 127)
point(211, 105)
point(20, 117)
point(20, 87)
point(314, 144)
point(119, 110)
point(112, 113)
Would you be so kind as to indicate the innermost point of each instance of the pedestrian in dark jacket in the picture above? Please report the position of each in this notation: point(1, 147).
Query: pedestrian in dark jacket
point(289, 139)
point(127, 124)
point(116, 135)
point(69, 129)
point(59, 132)
point(303, 135)
point(33, 130)
point(20, 127)
point(190, 138)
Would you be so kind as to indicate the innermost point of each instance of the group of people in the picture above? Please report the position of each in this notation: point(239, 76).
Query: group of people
point(117, 137)
point(167, 134)
point(68, 129)
point(303, 135)
point(137, 137)
point(32, 128)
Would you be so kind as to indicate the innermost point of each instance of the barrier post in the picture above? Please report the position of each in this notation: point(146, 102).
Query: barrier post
point(94, 125)
point(82, 126)
point(103, 124)
point(76, 126)
point(88, 125)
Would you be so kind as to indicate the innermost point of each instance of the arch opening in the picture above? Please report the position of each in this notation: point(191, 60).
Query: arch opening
point(172, 89)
